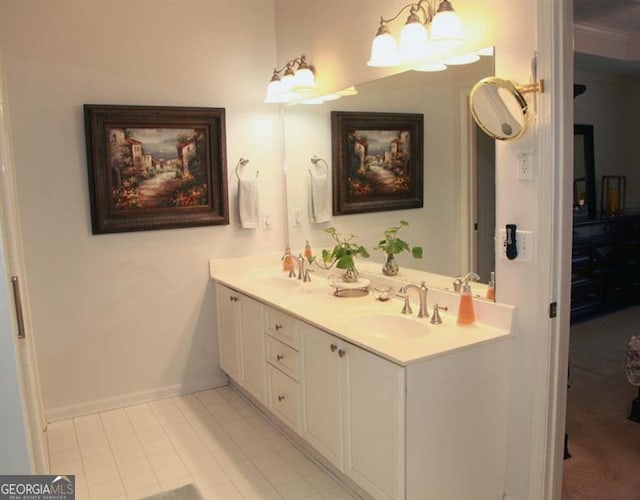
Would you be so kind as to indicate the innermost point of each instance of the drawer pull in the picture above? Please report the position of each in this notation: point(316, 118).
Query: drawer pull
point(279, 357)
point(278, 327)
point(341, 353)
point(281, 397)
point(333, 347)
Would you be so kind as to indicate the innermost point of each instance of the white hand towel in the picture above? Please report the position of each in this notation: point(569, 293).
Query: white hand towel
point(320, 209)
point(249, 203)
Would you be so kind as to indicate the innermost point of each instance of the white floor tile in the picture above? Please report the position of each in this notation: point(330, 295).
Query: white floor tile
point(214, 439)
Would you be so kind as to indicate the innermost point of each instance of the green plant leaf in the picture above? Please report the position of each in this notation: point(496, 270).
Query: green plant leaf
point(417, 252)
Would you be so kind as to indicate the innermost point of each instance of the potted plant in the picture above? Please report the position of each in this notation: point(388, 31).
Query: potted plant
point(391, 245)
point(342, 254)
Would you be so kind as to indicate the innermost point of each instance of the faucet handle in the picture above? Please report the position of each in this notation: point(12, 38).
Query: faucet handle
point(436, 319)
point(406, 308)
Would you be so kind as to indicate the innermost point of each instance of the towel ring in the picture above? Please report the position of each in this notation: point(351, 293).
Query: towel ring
point(241, 163)
point(315, 160)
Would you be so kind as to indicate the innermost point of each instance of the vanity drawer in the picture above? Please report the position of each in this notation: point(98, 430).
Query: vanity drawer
point(284, 397)
point(283, 357)
point(282, 327)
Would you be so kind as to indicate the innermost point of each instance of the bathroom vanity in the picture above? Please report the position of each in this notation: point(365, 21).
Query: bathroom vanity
point(396, 406)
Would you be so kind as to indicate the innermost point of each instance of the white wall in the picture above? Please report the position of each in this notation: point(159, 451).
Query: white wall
point(612, 106)
point(127, 316)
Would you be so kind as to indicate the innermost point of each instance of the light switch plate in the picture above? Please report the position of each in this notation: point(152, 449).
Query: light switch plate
point(524, 244)
point(525, 165)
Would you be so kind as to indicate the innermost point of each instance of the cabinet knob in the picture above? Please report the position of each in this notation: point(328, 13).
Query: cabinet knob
point(278, 327)
point(234, 299)
point(333, 347)
point(281, 397)
point(341, 353)
point(279, 357)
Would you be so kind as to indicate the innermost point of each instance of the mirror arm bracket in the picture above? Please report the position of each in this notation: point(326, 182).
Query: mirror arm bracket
point(531, 87)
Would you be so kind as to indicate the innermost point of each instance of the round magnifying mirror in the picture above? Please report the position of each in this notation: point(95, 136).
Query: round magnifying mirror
point(499, 108)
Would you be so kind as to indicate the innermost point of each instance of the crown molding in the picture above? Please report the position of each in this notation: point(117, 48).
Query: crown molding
point(606, 41)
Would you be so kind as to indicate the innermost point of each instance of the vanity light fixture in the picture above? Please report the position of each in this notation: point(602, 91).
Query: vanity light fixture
point(294, 78)
point(432, 25)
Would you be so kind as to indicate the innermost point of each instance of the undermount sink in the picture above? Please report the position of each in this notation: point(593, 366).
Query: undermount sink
point(386, 326)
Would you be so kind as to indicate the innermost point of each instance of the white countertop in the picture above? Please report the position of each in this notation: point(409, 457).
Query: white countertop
point(374, 325)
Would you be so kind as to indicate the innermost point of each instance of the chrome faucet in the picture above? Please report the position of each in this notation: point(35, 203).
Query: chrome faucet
point(303, 272)
point(422, 293)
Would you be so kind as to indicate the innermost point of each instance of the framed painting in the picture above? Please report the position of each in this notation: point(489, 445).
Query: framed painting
point(153, 167)
point(378, 161)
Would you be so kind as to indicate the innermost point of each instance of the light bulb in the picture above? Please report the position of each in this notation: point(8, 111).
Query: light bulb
point(384, 51)
point(413, 40)
point(275, 92)
point(304, 81)
point(446, 29)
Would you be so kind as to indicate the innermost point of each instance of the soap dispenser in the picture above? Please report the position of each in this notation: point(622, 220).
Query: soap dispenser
point(466, 311)
point(491, 289)
point(287, 260)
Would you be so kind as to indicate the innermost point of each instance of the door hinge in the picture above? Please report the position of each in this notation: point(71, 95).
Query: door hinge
point(553, 309)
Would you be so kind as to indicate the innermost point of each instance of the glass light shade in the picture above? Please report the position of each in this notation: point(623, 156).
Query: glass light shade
point(304, 81)
point(431, 67)
point(330, 97)
point(313, 100)
point(288, 81)
point(413, 41)
point(348, 91)
point(446, 29)
point(463, 59)
point(276, 92)
point(384, 51)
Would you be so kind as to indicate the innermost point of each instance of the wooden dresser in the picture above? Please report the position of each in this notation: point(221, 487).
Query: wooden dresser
point(605, 271)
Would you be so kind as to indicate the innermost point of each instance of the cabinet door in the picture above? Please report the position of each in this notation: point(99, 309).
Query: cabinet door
point(229, 325)
point(252, 332)
point(374, 423)
point(322, 417)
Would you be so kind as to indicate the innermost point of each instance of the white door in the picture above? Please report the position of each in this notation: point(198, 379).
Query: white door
point(374, 423)
point(252, 331)
point(229, 325)
point(22, 431)
point(322, 418)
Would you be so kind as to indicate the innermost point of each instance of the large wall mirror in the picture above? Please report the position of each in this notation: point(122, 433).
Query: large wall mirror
point(455, 227)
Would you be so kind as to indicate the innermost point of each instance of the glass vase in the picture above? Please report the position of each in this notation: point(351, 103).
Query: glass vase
point(390, 267)
point(350, 275)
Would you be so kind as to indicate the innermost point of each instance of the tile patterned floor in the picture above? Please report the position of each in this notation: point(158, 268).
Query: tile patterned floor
point(213, 438)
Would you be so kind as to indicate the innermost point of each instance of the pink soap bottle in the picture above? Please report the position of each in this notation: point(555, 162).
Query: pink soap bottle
point(466, 310)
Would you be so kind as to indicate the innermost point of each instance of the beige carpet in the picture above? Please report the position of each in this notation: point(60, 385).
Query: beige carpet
point(604, 444)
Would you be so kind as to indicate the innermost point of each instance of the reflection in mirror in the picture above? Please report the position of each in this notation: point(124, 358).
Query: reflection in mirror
point(458, 177)
point(584, 189)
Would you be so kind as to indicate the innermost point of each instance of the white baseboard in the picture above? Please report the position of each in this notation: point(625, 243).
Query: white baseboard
point(98, 405)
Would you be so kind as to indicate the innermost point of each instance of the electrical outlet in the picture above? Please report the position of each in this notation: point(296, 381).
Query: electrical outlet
point(266, 220)
point(524, 243)
point(297, 216)
point(525, 165)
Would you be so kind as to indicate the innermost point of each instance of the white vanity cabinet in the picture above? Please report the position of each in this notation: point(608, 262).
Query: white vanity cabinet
point(240, 340)
point(354, 411)
point(429, 428)
point(284, 372)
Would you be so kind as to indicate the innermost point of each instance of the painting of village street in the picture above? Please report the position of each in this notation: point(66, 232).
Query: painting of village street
point(378, 162)
point(157, 167)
